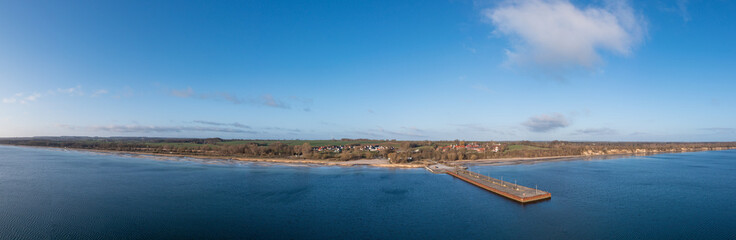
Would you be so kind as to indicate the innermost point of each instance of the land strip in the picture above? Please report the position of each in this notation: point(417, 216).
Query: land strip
point(381, 162)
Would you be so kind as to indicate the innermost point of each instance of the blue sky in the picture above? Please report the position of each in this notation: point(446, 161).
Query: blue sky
point(474, 70)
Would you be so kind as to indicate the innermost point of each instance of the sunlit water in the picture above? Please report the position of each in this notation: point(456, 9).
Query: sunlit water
point(56, 194)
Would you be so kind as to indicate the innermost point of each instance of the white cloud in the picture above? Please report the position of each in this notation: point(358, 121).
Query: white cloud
point(155, 129)
point(235, 124)
point(557, 36)
point(473, 127)
point(264, 100)
point(679, 7)
point(482, 88)
point(22, 98)
point(185, 93)
point(410, 132)
point(99, 92)
point(596, 131)
point(682, 7)
point(33, 97)
point(268, 100)
point(74, 91)
point(546, 123)
point(720, 130)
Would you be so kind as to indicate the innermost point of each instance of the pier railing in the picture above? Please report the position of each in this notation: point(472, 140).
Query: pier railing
point(488, 179)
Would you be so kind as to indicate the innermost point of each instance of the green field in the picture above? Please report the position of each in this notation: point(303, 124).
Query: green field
point(522, 147)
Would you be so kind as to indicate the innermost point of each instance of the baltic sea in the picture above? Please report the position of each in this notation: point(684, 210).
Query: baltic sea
point(58, 194)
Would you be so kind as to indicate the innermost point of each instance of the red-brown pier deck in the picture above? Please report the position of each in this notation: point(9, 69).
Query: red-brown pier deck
point(509, 190)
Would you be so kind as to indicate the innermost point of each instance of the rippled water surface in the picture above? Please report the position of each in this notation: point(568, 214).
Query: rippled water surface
point(56, 194)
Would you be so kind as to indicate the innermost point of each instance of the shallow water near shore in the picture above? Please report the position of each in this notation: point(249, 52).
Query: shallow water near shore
point(54, 194)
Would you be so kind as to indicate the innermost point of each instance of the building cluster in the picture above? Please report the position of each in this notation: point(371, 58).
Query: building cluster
point(336, 149)
point(374, 148)
point(340, 148)
point(471, 147)
point(495, 147)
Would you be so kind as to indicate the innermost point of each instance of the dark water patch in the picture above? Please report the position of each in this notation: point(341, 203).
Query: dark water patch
point(394, 191)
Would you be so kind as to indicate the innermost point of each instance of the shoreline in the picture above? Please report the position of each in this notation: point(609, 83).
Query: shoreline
point(533, 160)
point(380, 163)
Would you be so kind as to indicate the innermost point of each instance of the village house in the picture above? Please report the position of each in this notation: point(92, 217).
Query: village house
point(340, 148)
point(469, 147)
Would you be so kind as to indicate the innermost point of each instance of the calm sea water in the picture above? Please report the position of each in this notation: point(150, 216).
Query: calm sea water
point(55, 194)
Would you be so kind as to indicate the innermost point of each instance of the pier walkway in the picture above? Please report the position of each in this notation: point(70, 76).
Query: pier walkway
point(509, 190)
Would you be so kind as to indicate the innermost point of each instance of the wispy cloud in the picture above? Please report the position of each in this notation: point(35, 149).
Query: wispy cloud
point(369, 134)
point(467, 129)
point(470, 49)
point(235, 124)
point(482, 88)
point(555, 36)
point(720, 130)
point(381, 132)
point(73, 91)
point(230, 98)
point(268, 100)
point(99, 92)
point(214, 127)
point(474, 127)
point(184, 93)
point(596, 131)
point(280, 129)
point(125, 92)
point(22, 98)
point(546, 123)
point(155, 129)
point(304, 103)
point(220, 96)
point(682, 8)
point(264, 100)
point(678, 7)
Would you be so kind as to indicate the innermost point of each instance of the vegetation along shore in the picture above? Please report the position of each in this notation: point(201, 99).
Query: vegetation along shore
point(381, 153)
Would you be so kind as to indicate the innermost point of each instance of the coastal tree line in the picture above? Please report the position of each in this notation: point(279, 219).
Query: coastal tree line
point(396, 151)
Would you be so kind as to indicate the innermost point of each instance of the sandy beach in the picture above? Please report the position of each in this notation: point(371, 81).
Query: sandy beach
point(383, 163)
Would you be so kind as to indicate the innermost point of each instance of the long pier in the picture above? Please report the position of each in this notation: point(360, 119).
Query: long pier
point(509, 190)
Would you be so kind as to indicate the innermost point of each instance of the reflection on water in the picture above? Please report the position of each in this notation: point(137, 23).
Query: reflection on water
point(53, 194)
